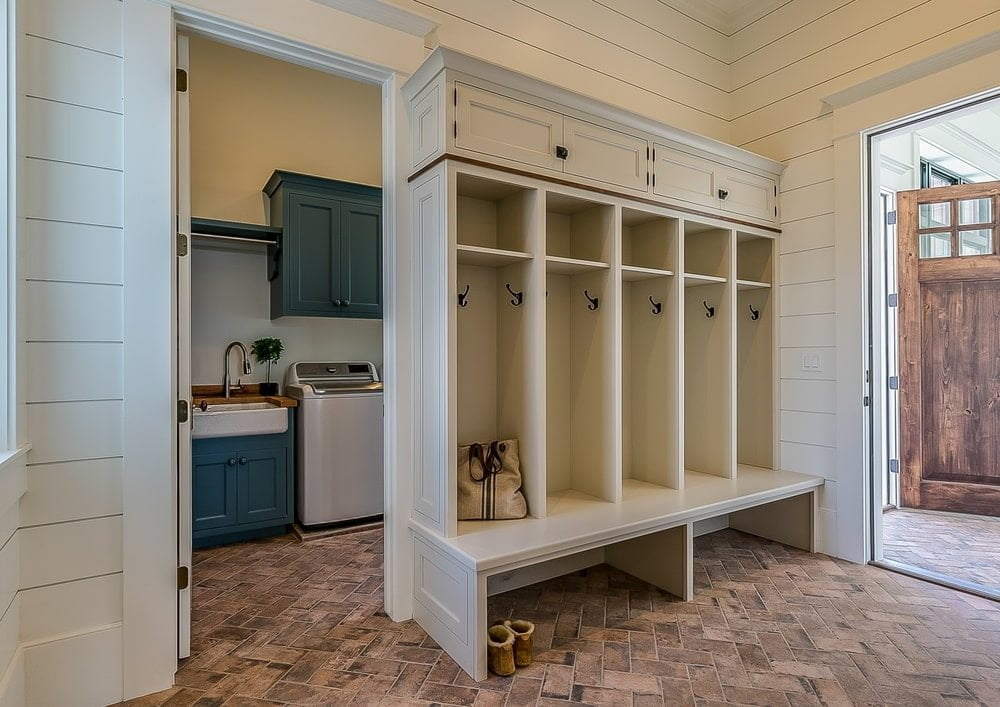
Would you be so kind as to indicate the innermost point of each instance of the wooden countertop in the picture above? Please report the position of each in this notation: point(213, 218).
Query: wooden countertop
point(212, 394)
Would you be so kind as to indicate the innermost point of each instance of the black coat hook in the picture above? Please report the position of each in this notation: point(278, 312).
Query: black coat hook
point(709, 311)
point(463, 297)
point(657, 306)
point(754, 313)
point(516, 297)
point(595, 302)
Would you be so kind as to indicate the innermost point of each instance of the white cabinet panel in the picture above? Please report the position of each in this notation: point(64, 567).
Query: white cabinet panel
point(507, 128)
point(679, 175)
point(747, 194)
point(605, 155)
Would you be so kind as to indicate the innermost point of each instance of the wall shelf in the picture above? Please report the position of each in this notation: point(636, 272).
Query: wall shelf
point(572, 266)
point(693, 279)
point(751, 285)
point(635, 273)
point(489, 257)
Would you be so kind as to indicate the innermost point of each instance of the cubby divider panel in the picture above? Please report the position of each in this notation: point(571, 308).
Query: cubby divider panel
point(755, 351)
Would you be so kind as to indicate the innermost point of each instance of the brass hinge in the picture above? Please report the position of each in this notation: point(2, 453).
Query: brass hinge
point(182, 80)
point(182, 244)
point(183, 578)
point(182, 411)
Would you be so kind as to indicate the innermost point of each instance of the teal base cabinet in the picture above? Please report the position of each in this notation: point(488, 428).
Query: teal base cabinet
point(242, 487)
point(328, 261)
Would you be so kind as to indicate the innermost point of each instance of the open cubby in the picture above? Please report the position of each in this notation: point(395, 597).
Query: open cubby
point(754, 352)
point(708, 404)
point(494, 220)
point(578, 232)
point(580, 385)
point(648, 244)
point(707, 253)
point(494, 340)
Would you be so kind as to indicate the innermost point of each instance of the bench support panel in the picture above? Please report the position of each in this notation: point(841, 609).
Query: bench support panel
point(790, 521)
point(664, 559)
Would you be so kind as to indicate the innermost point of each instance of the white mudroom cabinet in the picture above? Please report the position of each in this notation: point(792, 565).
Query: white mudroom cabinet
point(601, 288)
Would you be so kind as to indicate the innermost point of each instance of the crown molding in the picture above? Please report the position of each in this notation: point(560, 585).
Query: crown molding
point(385, 13)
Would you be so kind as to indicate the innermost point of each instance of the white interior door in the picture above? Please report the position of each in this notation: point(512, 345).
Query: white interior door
point(183, 196)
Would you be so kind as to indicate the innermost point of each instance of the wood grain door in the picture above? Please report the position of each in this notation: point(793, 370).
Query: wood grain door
point(949, 348)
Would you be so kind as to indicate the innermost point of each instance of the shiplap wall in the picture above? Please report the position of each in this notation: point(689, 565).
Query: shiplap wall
point(69, 539)
point(782, 68)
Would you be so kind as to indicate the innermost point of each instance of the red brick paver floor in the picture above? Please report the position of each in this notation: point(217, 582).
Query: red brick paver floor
point(278, 622)
point(961, 546)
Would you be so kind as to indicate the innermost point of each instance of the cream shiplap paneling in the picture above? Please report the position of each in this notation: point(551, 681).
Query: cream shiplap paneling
point(64, 552)
point(51, 380)
point(808, 428)
point(70, 311)
point(12, 687)
point(95, 24)
point(62, 72)
point(70, 431)
point(790, 364)
point(807, 202)
point(74, 252)
point(9, 633)
point(807, 234)
point(785, 144)
point(808, 169)
point(8, 573)
point(808, 298)
point(70, 607)
point(807, 266)
point(809, 395)
point(810, 330)
point(56, 130)
point(783, 21)
point(88, 666)
point(59, 191)
point(675, 24)
point(73, 490)
point(809, 459)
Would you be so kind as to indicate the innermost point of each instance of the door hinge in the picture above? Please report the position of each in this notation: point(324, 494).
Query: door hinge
point(182, 411)
point(893, 382)
point(776, 190)
point(654, 154)
point(182, 81)
point(890, 218)
point(892, 300)
point(893, 466)
point(776, 212)
point(647, 179)
point(654, 179)
point(456, 129)
point(454, 96)
point(182, 244)
point(866, 401)
point(183, 578)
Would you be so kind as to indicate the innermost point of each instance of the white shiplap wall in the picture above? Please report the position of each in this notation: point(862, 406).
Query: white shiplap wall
point(70, 535)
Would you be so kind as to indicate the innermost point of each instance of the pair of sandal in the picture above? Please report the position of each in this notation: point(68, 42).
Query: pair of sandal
point(509, 646)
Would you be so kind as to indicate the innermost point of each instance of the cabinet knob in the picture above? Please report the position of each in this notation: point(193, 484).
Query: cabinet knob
point(243, 460)
point(337, 303)
point(347, 303)
point(231, 462)
point(723, 194)
point(562, 152)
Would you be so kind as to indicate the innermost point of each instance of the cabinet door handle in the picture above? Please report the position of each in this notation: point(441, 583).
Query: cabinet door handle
point(347, 303)
point(723, 194)
point(243, 460)
point(231, 462)
point(562, 152)
point(336, 303)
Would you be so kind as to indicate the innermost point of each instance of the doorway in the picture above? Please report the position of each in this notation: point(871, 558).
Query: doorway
point(937, 250)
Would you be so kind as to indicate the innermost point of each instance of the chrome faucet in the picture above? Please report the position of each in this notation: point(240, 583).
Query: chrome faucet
point(247, 368)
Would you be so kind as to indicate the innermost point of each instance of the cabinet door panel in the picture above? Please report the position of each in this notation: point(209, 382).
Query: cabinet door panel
point(213, 494)
point(606, 155)
point(313, 252)
point(263, 484)
point(749, 194)
point(501, 126)
point(361, 259)
point(679, 175)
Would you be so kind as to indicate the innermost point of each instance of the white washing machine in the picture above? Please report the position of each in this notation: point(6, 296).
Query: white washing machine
point(338, 452)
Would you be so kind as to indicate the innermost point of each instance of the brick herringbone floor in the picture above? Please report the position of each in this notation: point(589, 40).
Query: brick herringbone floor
point(277, 622)
point(964, 547)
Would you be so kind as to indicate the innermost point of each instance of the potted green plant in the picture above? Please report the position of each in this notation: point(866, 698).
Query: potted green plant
point(268, 350)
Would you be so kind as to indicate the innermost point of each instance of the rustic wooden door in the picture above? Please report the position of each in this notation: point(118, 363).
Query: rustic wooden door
point(949, 348)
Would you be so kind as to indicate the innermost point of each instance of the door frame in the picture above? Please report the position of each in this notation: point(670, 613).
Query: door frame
point(150, 490)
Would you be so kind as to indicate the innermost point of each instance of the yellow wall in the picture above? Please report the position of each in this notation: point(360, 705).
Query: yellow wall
point(251, 114)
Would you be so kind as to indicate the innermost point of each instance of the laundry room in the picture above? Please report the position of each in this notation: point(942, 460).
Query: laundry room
point(284, 285)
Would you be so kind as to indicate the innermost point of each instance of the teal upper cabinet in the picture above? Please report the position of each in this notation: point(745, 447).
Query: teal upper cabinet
point(329, 260)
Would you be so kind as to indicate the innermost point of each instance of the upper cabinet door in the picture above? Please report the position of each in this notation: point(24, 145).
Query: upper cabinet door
point(496, 125)
point(361, 259)
point(606, 155)
point(678, 175)
point(312, 245)
point(748, 194)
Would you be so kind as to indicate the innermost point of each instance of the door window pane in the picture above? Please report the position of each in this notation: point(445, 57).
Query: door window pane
point(975, 242)
point(935, 245)
point(975, 211)
point(934, 215)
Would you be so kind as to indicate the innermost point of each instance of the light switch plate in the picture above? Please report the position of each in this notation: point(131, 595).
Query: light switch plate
point(811, 361)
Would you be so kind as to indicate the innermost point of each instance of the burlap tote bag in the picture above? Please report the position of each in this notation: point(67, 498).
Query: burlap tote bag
point(489, 482)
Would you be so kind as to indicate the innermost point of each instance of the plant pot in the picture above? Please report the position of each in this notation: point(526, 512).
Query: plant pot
point(268, 388)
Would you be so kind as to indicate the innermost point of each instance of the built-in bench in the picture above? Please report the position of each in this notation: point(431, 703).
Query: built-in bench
point(649, 535)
